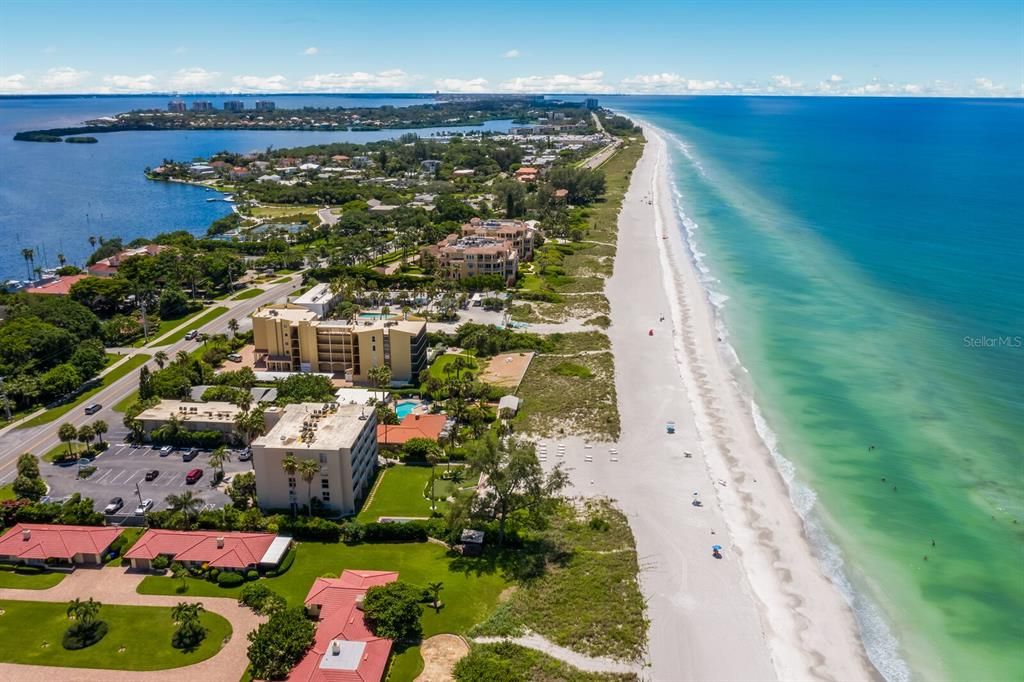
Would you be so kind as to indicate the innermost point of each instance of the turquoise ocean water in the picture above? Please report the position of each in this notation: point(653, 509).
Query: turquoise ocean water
point(867, 260)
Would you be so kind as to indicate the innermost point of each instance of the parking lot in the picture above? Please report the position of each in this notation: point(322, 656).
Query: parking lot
point(123, 466)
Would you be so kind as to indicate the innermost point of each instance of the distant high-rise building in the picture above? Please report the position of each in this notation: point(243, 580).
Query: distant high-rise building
point(234, 105)
point(265, 105)
point(591, 103)
point(202, 105)
point(176, 106)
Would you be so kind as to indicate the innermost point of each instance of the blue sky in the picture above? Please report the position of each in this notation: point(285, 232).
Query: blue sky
point(883, 48)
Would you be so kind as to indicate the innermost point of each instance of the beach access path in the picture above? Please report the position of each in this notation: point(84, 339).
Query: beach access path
point(764, 610)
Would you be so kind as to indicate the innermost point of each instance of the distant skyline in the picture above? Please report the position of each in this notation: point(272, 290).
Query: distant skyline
point(808, 48)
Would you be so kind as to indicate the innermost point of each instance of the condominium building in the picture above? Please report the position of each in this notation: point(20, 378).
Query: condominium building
point(341, 439)
point(234, 105)
point(520, 233)
point(265, 105)
point(462, 257)
point(292, 338)
point(176, 106)
point(202, 105)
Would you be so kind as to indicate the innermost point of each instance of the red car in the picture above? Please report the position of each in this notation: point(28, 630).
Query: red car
point(193, 476)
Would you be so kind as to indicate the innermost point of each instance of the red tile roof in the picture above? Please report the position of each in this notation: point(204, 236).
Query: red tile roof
point(413, 426)
point(47, 541)
point(60, 287)
point(341, 619)
point(240, 550)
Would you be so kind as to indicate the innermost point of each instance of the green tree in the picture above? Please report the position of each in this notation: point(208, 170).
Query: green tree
point(187, 503)
point(28, 484)
point(393, 611)
point(59, 381)
point(277, 645)
point(435, 594)
point(233, 327)
point(308, 470)
point(86, 434)
point(67, 433)
point(190, 631)
point(84, 613)
point(99, 427)
point(217, 459)
point(515, 481)
point(242, 490)
point(173, 303)
point(160, 358)
point(251, 424)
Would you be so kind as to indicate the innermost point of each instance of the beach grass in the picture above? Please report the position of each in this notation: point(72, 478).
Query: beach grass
point(570, 395)
point(589, 602)
point(569, 307)
point(138, 637)
point(529, 664)
point(110, 377)
point(179, 334)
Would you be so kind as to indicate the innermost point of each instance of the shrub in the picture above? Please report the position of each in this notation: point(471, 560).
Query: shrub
point(309, 528)
point(230, 579)
point(261, 599)
point(212, 574)
point(393, 610)
point(161, 562)
point(252, 574)
point(410, 531)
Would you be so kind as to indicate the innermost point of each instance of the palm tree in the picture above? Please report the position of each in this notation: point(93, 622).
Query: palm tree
point(85, 435)
point(186, 503)
point(160, 358)
point(435, 592)
point(432, 460)
point(84, 613)
point(233, 326)
point(190, 631)
point(185, 612)
point(251, 424)
point(67, 433)
point(291, 467)
point(217, 459)
point(204, 337)
point(99, 427)
point(61, 259)
point(308, 470)
point(30, 258)
point(92, 242)
point(181, 357)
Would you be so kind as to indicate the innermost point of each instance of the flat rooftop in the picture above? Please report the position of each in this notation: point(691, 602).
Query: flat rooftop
point(285, 311)
point(222, 412)
point(310, 425)
point(321, 293)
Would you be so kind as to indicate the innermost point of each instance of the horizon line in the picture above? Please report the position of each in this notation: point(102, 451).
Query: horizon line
point(482, 95)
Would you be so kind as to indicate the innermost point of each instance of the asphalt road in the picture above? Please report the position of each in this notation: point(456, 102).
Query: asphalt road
point(41, 439)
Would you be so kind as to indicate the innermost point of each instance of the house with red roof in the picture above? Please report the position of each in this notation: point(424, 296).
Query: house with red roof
point(58, 287)
point(108, 267)
point(344, 649)
point(38, 543)
point(217, 549)
point(412, 426)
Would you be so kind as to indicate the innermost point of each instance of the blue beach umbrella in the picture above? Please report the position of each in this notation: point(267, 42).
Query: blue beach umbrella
point(716, 548)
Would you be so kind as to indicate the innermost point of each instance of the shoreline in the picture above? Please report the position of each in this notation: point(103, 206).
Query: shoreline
point(768, 596)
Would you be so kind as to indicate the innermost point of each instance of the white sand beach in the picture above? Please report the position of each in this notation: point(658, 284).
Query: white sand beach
point(764, 610)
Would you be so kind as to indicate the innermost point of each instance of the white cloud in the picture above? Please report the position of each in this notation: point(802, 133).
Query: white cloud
point(390, 79)
point(835, 78)
point(260, 83)
point(511, 54)
point(461, 85)
point(195, 78)
point(12, 83)
point(592, 82)
point(311, 50)
point(786, 83)
point(672, 83)
point(118, 83)
point(62, 78)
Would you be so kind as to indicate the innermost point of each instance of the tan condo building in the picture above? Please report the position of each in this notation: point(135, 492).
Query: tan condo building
point(341, 439)
point(462, 257)
point(518, 232)
point(292, 338)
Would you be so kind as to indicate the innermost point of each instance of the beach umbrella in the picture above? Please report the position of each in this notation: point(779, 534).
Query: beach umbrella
point(716, 548)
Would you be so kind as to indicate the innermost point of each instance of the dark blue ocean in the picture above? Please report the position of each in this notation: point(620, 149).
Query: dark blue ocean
point(866, 257)
point(54, 196)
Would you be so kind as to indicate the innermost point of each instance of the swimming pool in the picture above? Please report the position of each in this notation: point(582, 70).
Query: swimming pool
point(375, 316)
point(405, 407)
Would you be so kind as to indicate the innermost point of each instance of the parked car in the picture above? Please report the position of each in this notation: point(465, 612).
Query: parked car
point(191, 335)
point(115, 504)
point(152, 474)
point(166, 450)
point(190, 455)
point(93, 409)
point(193, 476)
point(146, 505)
point(245, 455)
point(234, 357)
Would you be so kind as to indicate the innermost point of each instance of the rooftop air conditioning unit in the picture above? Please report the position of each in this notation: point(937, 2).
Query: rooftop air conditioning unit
point(26, 534)
point(220, 542)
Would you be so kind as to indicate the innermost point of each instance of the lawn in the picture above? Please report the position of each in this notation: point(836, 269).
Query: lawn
point(7, 492)
point(166, 326)
point(11, 577)
point(248, 293)
point(282, 211)
point(437, 369)
point(110, 377)
point(283, 280)
point(573, 394)
point(123, 404)
point(471, 585)
point(178, 335)
point(399, 492)
point(31, 632)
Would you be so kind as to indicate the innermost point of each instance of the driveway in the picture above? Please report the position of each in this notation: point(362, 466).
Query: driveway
point(115, 585)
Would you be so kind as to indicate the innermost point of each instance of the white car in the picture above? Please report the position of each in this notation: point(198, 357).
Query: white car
point(146, 505)
point(166, 450)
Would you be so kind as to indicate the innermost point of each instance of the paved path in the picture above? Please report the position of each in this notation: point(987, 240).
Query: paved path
point(577, 660)
point(115, 585)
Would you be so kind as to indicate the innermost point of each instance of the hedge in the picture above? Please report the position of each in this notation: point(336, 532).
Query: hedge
point(230, 579)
